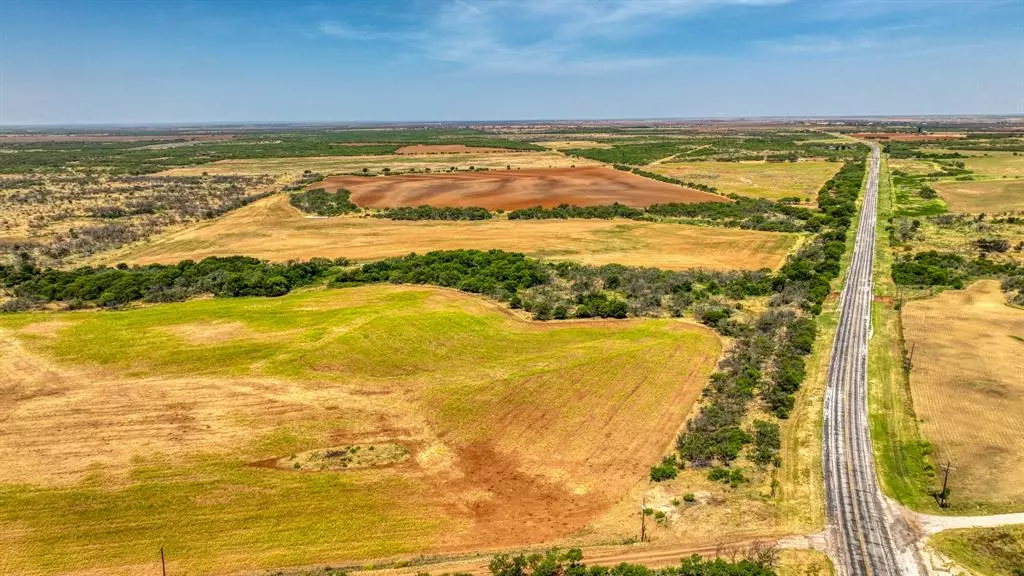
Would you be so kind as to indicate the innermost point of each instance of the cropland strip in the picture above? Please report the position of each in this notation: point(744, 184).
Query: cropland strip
point(772, 180)
point(377, 164)
point(983, 196)
point(967, 383)
point(445, 149)
point(274, 230)
point(511, 189)
point(129, 420)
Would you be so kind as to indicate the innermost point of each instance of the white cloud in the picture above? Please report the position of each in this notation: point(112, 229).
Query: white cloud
point(548, 36)
point(338, 30)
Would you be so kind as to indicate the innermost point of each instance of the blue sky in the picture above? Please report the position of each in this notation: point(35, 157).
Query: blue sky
point(190, 61)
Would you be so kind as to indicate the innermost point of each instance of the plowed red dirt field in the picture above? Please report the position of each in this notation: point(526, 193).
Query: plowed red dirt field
point(511, 189)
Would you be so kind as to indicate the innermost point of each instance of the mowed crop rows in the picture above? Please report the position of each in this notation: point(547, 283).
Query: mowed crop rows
point(990, 196)
point(272, 229)
point(967, 383)
point(511, 189)
point(772, 180)
point(151, 427)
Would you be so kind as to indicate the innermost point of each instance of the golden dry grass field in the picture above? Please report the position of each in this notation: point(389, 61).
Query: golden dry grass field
point(166, 425)
point(272, 229)
point(376, 164)
point(967, 384)
point(983, 196)
point(771, 180)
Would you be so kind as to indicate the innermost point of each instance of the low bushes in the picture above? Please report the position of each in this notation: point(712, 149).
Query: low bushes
point(323, 203)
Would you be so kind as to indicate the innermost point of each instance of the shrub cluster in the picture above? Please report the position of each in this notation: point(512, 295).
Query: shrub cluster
point(323, 203)
point(432, 213)
point(495, 272)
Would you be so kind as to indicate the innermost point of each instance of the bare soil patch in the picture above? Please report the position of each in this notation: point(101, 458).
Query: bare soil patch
point(511, 189)
point(347, 457)
point(967, 383)
point(445, 149)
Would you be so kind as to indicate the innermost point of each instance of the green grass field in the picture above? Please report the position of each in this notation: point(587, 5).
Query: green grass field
point(202, 390)
point(985, 551)
point(990, 196)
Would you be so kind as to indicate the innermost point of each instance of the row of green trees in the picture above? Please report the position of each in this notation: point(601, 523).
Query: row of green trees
point(742, 212)
point(433, 213)
point(116, 286)
point(767, 358)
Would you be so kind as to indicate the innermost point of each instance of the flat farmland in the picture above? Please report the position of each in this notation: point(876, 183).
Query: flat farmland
point(982, 196)
point(376, 164)
point(772, 180)
point(511, 189)
point(967, 384)
point(996, 164)
point(178, 425)
point(272, 229)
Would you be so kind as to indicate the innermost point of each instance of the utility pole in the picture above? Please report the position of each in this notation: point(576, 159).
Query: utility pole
point(163, 564)
point(908, 362)
point(944, 495)
point(643, 519)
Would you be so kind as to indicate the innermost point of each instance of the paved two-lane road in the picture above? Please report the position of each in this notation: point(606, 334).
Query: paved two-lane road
point(866, 536)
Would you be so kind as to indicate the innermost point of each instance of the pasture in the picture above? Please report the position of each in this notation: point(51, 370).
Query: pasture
point(376, 164)
point(127, 431)
point(511, 189)
point(272, 229)
point(996, 164)
point(982, 196)
point(772, 180)
point(968, 389)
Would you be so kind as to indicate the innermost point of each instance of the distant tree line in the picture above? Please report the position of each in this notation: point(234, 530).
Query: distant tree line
point(323, 203)
point(746, 213)
point(433, 213)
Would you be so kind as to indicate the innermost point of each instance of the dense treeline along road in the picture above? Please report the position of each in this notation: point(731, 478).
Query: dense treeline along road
point(863, 532)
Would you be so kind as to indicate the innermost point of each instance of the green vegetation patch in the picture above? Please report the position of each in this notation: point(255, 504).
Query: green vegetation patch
point(987, 551)
point(323, 203)
point(213, 516)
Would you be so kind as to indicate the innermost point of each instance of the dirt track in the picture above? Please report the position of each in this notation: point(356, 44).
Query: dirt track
point(511, 189)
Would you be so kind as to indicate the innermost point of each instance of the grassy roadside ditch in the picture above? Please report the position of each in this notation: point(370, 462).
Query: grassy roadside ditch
point(901, 453)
